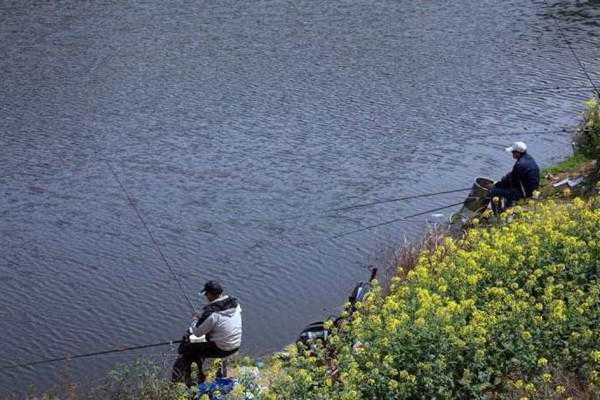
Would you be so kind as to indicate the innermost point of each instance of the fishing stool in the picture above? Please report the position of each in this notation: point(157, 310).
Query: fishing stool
point(222, 371)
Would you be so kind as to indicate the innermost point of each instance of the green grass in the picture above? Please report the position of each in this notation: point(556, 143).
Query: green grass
point(572, 163)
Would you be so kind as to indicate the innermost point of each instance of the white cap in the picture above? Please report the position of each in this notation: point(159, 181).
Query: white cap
point(519, 147)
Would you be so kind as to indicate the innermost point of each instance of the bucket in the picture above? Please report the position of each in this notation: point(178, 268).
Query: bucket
point(476, 201)
point(481, 186)
point(478, 197)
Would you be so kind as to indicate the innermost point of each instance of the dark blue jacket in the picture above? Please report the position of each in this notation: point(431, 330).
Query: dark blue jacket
point(524, 177)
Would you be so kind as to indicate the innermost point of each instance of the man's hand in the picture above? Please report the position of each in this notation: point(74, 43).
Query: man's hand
point(196, 315)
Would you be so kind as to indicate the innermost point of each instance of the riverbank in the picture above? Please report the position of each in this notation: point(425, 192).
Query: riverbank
point(509, 309)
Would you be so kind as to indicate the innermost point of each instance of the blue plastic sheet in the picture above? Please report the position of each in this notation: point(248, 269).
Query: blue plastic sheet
point(216, 390)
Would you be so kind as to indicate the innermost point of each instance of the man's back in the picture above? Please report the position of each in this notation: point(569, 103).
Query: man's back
point(227, 330)
point(221, 322)
point(527, 173)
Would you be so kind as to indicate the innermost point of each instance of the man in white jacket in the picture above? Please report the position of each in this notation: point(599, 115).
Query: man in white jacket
point(216, 332)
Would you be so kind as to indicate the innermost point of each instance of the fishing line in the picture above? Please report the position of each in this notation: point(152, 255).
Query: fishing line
point(96, 353)
point(154, 241)
point(405, 218)
point(122, 349)
point(581, 66)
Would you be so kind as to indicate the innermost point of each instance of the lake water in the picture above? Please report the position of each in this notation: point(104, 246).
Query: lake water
point(232, 124)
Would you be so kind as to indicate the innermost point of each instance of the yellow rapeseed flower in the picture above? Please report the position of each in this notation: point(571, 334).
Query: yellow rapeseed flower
point(542, 362)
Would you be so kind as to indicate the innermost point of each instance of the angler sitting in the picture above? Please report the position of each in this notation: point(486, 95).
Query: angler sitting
point(214, 333)
point(520, 182)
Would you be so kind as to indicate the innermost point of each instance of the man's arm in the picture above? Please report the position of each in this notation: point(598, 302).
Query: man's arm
point(505, 182)
point(205, 327)
point(529, 176)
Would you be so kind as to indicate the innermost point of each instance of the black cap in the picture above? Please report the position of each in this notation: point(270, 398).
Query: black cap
point(213, 287)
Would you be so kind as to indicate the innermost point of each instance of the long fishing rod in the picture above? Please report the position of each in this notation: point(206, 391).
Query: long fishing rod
point(527, 132)
point(325, 213)
point(581, 66)
point(405, 218)
point(154, 241)
point(417, 196)
point(531, 90)
point(96, 353)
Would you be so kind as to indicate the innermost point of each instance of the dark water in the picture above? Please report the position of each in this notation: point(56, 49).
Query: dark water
point(223, 119)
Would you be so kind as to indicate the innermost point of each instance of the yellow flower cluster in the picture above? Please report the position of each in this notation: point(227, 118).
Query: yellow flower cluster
point(499, 310)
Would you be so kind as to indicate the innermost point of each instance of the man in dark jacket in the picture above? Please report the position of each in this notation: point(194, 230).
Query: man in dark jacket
point(521, 181)
point(214, 333)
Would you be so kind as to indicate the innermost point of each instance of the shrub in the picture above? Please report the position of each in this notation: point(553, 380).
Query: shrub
point(140, 380)
point(587, 138)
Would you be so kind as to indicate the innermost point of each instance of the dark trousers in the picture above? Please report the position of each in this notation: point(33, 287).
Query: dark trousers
point(509, 195)
point(195, 353)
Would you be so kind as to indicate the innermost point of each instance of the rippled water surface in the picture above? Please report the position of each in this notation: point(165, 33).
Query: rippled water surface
point(231, 123)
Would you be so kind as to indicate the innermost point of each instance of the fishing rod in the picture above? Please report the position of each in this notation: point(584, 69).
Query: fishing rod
point(96, 353)
point(531, 90)
point(527, 132)
point(581, 66)
point(352, 206)
point(154, 241)
point(417, 196)
point(405, 218)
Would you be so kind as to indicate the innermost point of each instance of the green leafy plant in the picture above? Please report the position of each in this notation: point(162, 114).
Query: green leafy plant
point(587, 138)
point(140, 380)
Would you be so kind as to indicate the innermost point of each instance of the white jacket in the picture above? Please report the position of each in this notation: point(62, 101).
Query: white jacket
point(221, 322)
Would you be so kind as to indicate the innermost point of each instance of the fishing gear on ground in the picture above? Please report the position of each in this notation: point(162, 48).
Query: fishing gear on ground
point(317, 331)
